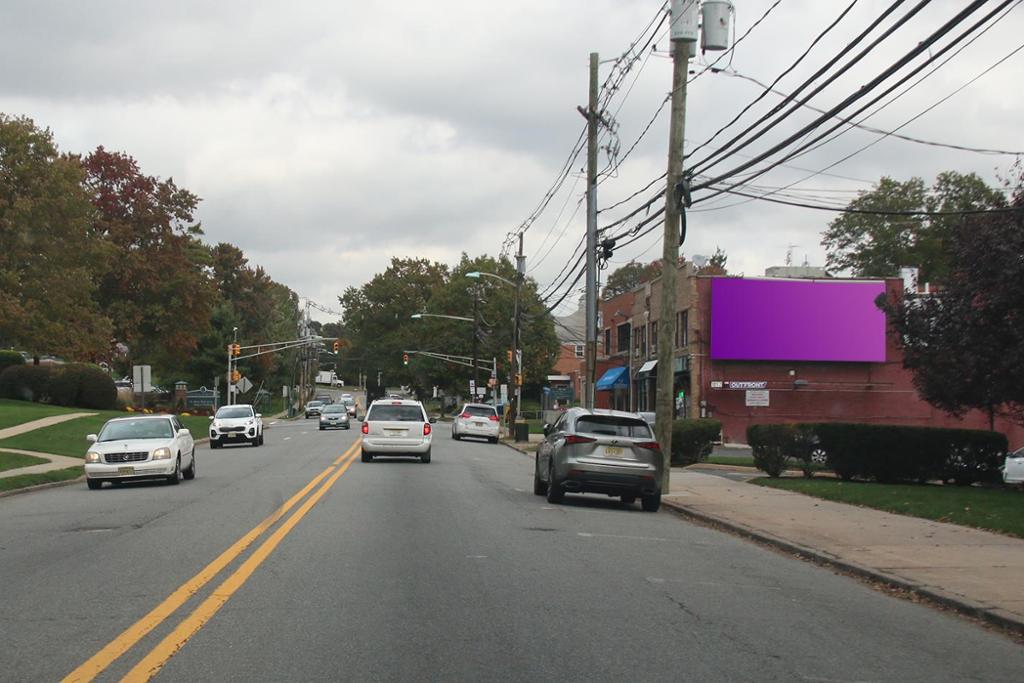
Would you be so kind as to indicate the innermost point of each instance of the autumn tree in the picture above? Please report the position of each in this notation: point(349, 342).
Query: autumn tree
point(716, 264)
point(628, 277)
point(155, 289)
point(965, 343)
point(872, 245)
point(48, 251)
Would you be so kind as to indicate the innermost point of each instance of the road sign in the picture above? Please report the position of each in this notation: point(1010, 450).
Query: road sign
point(142, 381)
point(243, 385)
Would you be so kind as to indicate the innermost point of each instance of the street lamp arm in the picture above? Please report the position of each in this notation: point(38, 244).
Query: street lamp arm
point(478, 274)
point(417, 316)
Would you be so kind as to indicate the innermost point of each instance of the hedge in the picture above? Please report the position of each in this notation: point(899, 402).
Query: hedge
point(692, 440)
point(73, 385)
point(9, 358)
point(885, 453)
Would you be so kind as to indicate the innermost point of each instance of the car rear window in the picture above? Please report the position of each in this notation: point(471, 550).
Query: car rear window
point(479, 411)
point(335, 409)
point(609, 425)
point(395, 414)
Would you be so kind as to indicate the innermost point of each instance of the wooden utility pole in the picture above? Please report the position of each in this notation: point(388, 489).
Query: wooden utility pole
point(593, 118)
point(665, 402)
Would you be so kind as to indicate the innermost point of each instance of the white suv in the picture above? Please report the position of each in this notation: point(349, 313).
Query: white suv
point(476, 419)
point(236, 424)
point(396, 427)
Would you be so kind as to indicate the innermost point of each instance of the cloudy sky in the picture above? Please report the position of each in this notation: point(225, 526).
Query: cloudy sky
point(326, 137)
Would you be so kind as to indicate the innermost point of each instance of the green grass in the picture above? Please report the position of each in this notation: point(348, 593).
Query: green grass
point(993, 509)
point(68, 438)
point(23, 480)
point(19, 412)
point(13, 461)
point(536, 426)
point(739, 462)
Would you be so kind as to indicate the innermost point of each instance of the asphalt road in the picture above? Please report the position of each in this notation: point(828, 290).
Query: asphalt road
point(399, 571)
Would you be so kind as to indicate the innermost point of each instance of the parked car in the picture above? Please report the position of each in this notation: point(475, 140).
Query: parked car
point(313, 409)
point(596, 451)
point(137, 448)
point(334, 416)
point(397, 427)
point(476, 419)
point(236, 424)
point(1013, 468)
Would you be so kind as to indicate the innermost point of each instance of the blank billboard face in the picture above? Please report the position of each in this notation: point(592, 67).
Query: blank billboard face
point(792, 320)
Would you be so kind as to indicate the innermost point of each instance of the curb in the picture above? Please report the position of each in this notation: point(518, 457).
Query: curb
point(506, 444)
point(802, 552)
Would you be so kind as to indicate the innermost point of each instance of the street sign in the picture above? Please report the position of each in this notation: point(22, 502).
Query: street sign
point(243, 385)
point(472, 387)
point(142, 381)
point(757, 398)
point(504, 393)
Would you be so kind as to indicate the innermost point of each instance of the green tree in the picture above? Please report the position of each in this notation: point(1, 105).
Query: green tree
point(715, 264)
point(48, 252)
point(965, 343)
point(870, 245)
point(628, 277)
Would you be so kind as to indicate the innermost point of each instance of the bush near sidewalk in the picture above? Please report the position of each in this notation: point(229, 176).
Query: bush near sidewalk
point(884, 453)
point(692, 440)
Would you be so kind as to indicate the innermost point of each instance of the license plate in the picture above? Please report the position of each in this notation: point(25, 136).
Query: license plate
point(397, 432)
point(125, 470)
point(480, 424)
point(613, 451)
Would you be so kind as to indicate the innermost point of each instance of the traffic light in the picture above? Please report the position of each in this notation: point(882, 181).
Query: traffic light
point(337, 345)
point(509, 354)
point(405, 359)
point(235, 376)
point(519, 379)
point(236, 350)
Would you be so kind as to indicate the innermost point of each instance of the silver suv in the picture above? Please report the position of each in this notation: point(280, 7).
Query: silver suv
point(599, 451)
point(397, 427)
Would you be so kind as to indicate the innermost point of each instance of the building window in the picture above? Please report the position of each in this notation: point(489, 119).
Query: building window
point(580, 350)
point(623, 338)
point(654, 336)
point(608, 342)
point(682, 329)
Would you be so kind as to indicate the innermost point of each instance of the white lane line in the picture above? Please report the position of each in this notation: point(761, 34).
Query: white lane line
point(274, 422)
point(286, 438)
point(476, 557)
point(632, 538)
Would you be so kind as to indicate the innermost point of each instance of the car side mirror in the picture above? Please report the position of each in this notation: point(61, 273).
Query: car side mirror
point(259, 414)
point(91, 438)
point(433, 420)
point(211, 418)
point(547, 429)
point(184, 432)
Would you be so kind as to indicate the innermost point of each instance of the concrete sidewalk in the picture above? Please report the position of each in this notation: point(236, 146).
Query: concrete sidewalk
point(40, 423)
point(56, 462)
point(975, 572)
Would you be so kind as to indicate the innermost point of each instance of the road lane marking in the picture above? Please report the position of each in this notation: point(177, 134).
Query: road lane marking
point(137, 631)
point(170, 645)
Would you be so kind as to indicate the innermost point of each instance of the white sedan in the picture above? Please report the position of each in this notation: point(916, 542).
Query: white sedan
point(1013, 468)
point(144, 447)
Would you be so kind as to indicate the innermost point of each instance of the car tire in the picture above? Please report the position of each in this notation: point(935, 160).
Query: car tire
point(493, 439)
point(94, 484)
point(425, 457)
point(366, 457)
point(261, 439)
point(651, 503)
point(540, 487)
point(455, 434)
point(254, 441)
point(214, 444)
point(175, 478)
point(556, 494)
point(628, 499)
point(190, 473)
point(321, 428)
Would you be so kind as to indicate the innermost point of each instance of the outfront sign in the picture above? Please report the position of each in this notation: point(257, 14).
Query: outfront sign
point(744, 386)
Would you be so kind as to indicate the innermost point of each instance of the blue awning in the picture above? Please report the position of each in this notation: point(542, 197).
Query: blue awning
point(614, 378)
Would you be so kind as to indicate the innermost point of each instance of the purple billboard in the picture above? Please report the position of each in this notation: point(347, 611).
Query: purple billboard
point(796, 320)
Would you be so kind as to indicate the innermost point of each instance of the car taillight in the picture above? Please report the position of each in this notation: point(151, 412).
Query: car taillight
point(465, 416)
point(575, 438)
point(426, 429)
point(366, 428)
point(650, 445)
point(493, 418)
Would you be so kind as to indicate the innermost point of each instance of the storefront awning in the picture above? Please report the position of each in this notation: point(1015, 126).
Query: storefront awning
point(646, 369)
point(614, 378)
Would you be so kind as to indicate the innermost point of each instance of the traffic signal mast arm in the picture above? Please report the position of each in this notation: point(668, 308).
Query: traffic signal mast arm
point(459, 360)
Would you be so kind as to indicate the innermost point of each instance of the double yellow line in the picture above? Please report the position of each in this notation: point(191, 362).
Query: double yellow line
point(159, 655)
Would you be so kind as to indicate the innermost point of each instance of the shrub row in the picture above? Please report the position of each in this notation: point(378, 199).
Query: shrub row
point(74, 384)
point(9, 358)
point(885, 453)
point(692, 440)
